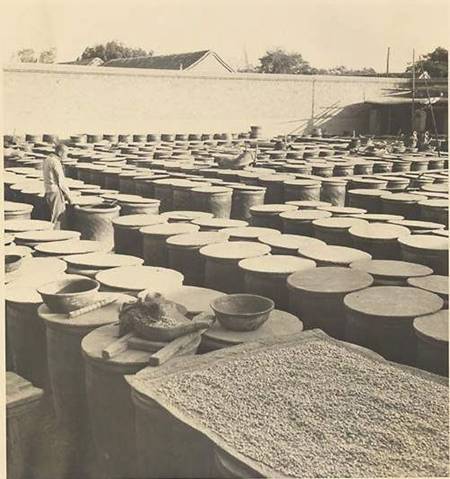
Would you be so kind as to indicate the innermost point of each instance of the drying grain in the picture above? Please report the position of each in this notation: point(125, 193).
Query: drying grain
point(320, 410)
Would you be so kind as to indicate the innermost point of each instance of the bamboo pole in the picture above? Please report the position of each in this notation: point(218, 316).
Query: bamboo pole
point(433, 117)
point(387, 60)
point(413, 89)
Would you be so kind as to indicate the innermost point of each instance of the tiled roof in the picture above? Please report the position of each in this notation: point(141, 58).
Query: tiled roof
point(180, 61)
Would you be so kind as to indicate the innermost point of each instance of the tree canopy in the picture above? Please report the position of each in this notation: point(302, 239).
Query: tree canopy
point(434, 63)
point(28, 55)
point(48, 56)
point(280, 61)
point(113, 49)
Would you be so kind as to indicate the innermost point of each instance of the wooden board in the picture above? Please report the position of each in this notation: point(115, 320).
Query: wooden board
point(279, 323)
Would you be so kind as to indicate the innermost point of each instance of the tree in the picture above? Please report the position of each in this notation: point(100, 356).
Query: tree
point(280, 61)
point(48, 56)
point(343, 70)
point(27, 55)
point(434, 63)
point(113, 49)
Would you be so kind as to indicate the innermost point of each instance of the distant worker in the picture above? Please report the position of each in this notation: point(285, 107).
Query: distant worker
point(425, 142)
point(56, 190)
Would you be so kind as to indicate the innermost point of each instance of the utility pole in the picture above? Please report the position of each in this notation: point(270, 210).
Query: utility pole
point(413, 89)
point(387, 60)
point(246, 59)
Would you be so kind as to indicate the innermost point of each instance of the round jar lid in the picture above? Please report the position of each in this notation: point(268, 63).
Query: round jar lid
point(97, 340)
point(102, 260)
point(67, 247)
point(34, 191)
point(87, 200)
point(276, 264)
point(272, 209)
point(443, 233)
point(36, 271)
point(433, 327)
point(435, 283)
point(106, 315)
point(395, 181)
point(139, 278)
point(334, 182)
point(26, 184)
point(335, 255)
point(210, 190)
point(133, 199)
point(197, 239)
point(17, 293)
point(302, 183)
point(168, 182)
point(138, 221)
point(196, 300)
point(403, 198)
point(249, 232)
point(383, 268)
point(8, 239)
point(369, 192)
point(219, 223)
point(241, 188)
point(394, 302)
point(417, 225)
point(439, 188)
point(434, 204)
point(368, 181)
point(16, 226)
point(11, 178)
point(338, 223)
point(279, 323)
point(11, 206)
point(169, 229)
point(330, 279)
point(47, 235)
point(247, 174)
point(304, 215)
point(425, 242)
point(290, 242)
point(308, 204)
point(378, 217)
point(275, 178)
point(235, 250)
point(379, 231)
point(343, 210)
point(185, 215)
point(23, 251)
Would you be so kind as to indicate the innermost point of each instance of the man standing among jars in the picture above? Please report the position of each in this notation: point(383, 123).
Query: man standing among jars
point(56, 190)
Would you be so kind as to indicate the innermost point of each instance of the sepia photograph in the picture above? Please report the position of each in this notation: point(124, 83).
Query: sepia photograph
point(226, 240)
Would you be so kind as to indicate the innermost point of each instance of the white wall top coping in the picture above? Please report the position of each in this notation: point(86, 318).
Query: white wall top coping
point(116, 71)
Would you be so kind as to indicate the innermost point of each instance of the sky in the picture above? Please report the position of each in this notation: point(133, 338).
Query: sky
point(328, 33)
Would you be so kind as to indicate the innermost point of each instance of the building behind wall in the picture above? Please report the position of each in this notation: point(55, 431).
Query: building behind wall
point(400, 112)
point(204, 61)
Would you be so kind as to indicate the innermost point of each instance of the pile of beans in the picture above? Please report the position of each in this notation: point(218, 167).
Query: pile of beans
point(316, 409)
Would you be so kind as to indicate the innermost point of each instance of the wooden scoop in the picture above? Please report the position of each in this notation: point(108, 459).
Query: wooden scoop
point(93, 306)
point(174, 348)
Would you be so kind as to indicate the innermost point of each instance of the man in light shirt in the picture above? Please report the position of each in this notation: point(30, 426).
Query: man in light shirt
point(56, 190)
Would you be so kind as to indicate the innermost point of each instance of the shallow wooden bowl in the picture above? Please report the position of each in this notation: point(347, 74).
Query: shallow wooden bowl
point(69, 294)
point(242, 312)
